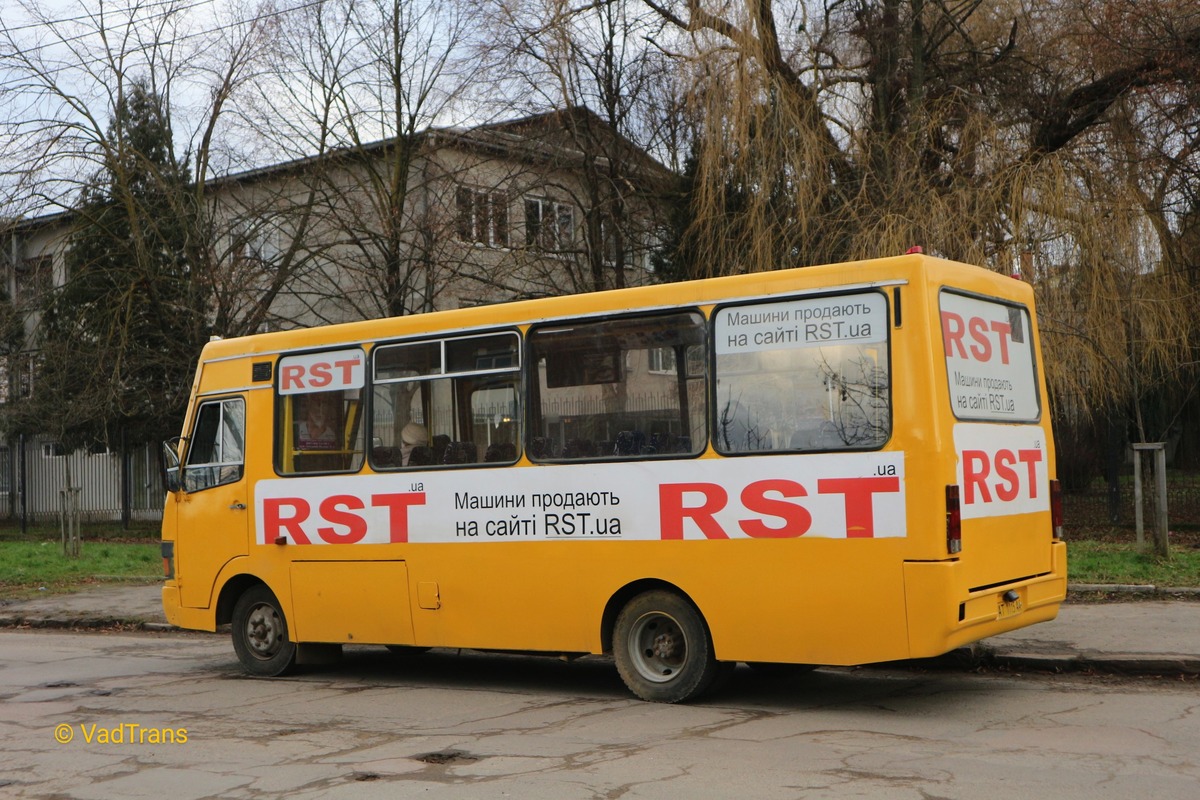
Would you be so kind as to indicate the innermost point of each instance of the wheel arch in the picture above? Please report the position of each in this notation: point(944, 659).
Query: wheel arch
point(608, 620)
point(234, 588)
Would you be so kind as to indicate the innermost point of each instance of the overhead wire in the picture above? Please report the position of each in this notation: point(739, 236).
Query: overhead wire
point(171, 10)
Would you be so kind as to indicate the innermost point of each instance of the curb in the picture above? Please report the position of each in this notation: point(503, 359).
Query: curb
point(85, 623)
point(1108, 663)
point(1185, 592)
point(984, 656)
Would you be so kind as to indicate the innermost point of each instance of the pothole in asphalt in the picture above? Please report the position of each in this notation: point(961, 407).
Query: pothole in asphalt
point(446, 757)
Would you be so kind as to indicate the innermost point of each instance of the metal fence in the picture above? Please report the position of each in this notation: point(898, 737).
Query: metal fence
point(1102, 506)
point(36, 471)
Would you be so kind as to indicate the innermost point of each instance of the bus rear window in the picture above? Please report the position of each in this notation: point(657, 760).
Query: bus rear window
point(803, 374)
point(989, 359)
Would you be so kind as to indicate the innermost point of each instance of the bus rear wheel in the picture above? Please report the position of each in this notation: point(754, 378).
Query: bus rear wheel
point(662, 648)
point(260, 634)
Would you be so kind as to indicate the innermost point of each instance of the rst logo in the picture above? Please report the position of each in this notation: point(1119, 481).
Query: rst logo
point(1002, 469)
point(975, 338)
point(778, 508)
point(322, 372)
point(338, 518)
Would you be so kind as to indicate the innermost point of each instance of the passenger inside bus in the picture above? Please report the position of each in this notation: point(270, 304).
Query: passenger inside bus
point(414, 445)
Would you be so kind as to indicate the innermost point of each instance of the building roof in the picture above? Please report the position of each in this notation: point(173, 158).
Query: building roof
point(574, 134)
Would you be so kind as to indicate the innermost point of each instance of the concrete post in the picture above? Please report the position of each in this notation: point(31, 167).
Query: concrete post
point(1161, 544)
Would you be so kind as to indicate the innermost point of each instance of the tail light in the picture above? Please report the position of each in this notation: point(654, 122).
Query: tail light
point(168, 560)
point(1056, 509)
point(953, 520)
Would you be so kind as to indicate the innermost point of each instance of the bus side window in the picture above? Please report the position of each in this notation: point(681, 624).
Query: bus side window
point(324, 433)
point(809, 373)
point(622, 388)
point(216, 450)
point(318, 411)
point(446, 402)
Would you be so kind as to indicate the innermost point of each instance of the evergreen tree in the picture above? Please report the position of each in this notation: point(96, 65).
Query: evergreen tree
point(118, 340)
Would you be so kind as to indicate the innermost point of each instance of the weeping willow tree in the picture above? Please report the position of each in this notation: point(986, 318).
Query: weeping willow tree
point(1032, 137)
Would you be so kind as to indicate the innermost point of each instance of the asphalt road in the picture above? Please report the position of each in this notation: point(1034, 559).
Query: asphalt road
point(103, 715)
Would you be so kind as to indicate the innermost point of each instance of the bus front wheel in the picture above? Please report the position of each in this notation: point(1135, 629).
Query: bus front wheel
point(663, 649)
point(260, 634)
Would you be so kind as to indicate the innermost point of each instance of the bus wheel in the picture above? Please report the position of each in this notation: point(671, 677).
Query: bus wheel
point(260, 634)
point(662, 648)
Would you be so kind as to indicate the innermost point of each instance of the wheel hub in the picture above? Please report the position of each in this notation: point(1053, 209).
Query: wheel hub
point(263, 632)
point(658, 647)
point(666, 646)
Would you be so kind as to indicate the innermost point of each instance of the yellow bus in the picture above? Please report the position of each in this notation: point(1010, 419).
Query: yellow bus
point(833, 465)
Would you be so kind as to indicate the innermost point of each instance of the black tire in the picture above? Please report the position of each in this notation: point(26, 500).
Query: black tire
point(260, 634)
point(663, 650)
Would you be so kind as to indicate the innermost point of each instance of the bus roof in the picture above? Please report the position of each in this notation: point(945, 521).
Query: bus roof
point(707, 291)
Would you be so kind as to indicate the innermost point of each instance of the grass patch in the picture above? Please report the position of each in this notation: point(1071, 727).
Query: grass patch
point(90, 531)
point(29, 567)
point(1091, 561)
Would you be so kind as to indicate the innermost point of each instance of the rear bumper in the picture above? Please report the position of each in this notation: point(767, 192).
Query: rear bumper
point(941, 616)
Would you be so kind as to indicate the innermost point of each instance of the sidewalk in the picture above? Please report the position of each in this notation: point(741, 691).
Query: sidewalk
point(1156, 637)
point(119, 604)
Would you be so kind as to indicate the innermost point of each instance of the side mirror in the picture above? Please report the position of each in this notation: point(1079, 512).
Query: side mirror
point(171, 449)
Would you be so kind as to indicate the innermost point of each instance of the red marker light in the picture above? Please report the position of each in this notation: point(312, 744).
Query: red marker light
point(953, 520)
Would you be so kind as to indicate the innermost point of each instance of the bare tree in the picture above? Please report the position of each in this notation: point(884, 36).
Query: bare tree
point(596, 57)
point(354, 96)
point(1007, 134)
point(72, 75)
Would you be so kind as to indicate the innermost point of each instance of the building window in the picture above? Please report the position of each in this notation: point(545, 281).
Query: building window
point(549, 225)
point(481, 217)
point(16, 376)
point(33, 280)
point(612, 243)
point(257, 240)
point(662, 360)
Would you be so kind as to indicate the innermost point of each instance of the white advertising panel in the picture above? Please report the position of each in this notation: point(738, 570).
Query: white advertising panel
point(1002, 469)
point(839, 496)
point(813, 322)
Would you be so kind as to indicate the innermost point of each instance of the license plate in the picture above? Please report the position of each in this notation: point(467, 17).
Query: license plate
point(1010, 609)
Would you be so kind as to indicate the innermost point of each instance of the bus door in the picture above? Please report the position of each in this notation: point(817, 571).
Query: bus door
point(213, 509)
point(343, 589)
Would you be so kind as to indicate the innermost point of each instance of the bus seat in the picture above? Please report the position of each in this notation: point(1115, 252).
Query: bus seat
point(578, 448)
point(385, 456)
point(500, 451)
point(460, 453)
